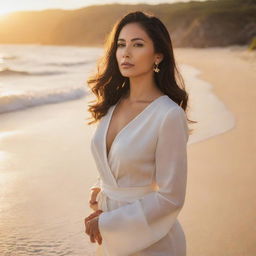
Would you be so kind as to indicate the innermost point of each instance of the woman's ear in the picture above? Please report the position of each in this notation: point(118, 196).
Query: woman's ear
point(159, 57)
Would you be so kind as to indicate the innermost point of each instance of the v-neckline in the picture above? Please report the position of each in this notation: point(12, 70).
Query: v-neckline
point(126, 126)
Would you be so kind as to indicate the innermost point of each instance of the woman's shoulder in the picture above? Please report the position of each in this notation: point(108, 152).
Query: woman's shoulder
point(167, 109)
point(168, 105)
point(173, 116)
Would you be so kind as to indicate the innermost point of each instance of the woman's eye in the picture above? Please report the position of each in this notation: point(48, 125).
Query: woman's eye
point(118, 45)
point(139, 44)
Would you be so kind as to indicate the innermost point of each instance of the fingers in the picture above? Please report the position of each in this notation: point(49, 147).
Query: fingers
point(99, 239)
point(92, 238)
point(87, 224)
point(91, 227)
point(87, 218)
point(87, 227)
point(98, 212)
point(94, 194)
point(94, 206)
point(92, 215)
point(96, 189)
point(94, 235)
point(93, 202)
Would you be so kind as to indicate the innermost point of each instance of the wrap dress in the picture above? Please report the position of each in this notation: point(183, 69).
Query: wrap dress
point(143, 182)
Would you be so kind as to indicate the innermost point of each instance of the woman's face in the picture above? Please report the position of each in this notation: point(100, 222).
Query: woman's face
point(136, 47)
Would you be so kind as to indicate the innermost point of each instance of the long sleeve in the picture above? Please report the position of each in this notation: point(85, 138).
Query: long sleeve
point(137, 225)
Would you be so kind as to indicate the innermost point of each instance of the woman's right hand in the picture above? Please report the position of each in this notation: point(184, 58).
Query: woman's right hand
point(92, 202)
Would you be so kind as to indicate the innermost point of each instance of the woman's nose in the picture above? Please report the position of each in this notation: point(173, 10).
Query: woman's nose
point(126, 55)
point(126, 52)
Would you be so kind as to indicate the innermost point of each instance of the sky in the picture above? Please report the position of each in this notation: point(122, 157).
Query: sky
point(7, 6)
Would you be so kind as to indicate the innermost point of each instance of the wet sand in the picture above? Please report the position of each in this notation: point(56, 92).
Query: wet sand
point(219, 214)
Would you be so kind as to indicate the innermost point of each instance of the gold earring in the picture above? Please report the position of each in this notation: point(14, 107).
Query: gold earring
point(156, 69)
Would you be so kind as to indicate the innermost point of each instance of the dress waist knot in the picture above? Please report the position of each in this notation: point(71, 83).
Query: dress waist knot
point(124, 194)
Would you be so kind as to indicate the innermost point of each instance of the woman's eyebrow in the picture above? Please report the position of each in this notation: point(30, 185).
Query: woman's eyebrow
point(137, 38)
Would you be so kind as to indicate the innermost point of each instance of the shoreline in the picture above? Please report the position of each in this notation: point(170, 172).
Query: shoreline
point(221, 174)
point(201, 94)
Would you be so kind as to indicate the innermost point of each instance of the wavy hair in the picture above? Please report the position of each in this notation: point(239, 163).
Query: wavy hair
point(109, 85)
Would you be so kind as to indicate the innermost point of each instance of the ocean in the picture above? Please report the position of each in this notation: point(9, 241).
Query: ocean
point(35, 75)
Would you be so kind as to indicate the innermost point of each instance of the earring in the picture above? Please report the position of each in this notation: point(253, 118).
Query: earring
point(156, 69)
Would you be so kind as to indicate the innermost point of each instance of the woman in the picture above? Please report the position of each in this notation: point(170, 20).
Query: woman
point(140, 143)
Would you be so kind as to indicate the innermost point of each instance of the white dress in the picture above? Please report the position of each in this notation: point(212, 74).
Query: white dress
point(143, 182)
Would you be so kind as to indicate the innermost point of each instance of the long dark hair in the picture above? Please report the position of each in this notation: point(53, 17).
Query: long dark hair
point(109, 85)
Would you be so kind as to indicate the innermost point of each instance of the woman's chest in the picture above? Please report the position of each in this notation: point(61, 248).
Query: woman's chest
point(134, 139)
point(132, 154)
point(120, 120)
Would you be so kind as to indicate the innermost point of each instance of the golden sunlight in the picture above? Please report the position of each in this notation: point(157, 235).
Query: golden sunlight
point(9, 6)
point(5, 11)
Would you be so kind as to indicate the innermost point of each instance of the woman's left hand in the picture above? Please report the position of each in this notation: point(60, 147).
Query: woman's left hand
point(92, 227)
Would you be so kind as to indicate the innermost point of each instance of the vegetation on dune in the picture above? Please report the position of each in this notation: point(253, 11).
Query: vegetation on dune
point(252, 45)
point(191, 24)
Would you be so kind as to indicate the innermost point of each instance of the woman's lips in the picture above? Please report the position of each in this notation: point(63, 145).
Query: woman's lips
point(127, 66)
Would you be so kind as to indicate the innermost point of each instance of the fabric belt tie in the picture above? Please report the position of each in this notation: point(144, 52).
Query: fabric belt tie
point(123, 194)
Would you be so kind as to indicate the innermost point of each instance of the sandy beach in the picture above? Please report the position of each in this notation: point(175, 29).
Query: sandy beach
point(219, 214)
point(47, 169)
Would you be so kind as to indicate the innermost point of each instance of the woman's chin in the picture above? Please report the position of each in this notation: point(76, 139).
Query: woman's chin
point(128, 74)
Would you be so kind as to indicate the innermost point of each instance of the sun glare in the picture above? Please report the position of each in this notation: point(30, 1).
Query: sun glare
point(9, 7)
point(4, 11)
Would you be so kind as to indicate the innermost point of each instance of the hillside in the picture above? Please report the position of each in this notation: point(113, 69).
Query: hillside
point(192, 24)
